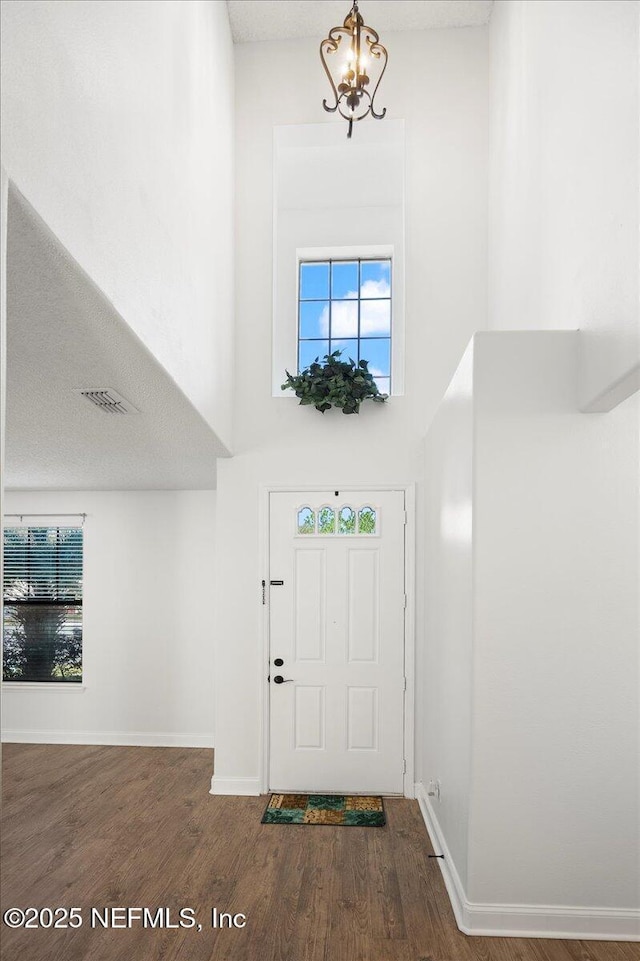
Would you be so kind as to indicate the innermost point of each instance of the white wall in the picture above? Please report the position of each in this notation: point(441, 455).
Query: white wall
point(4, 211)
point(148, 653)
point(445, 649)
point(565, 169)
point(555, 811)
point(118, 129)
point(536, 693)
point(437, 83)
point(536, 690)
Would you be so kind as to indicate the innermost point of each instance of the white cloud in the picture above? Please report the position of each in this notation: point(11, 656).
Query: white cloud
point(374, 288)
point(344, 319)
point(374, 314)
point(374, 317)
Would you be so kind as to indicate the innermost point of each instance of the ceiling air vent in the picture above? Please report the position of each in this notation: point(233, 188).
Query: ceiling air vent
point(107, 399)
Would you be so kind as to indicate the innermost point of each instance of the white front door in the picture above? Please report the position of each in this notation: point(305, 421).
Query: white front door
point(337, 607)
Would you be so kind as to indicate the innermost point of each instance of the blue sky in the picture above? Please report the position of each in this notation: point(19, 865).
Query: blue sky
point(329, 299)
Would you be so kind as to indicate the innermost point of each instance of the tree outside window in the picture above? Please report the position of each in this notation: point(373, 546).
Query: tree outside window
point(42, 630)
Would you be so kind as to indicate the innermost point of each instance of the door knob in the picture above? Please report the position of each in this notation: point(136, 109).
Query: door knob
point(279, 679)
point(278, 662)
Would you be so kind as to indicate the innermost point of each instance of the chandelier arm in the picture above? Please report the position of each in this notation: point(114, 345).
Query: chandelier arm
point(379, 116)
point(336, 34)
point(332, 46)
point(373, 38)
point(377, 50)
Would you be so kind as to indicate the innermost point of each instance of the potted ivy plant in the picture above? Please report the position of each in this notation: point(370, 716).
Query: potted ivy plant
point(333, 382)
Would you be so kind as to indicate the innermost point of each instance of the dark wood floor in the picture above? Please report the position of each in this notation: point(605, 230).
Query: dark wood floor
point(113, 826)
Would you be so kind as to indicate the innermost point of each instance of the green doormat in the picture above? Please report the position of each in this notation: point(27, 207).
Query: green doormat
point(349, 810)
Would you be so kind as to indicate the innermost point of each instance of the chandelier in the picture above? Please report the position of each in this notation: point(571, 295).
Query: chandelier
point(352, 55)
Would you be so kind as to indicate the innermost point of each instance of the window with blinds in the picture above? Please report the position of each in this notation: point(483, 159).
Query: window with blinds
point(42, 630)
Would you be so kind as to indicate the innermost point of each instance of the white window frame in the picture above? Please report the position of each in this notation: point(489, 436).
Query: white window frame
point(376, 252)
point(285, 344)
point(52, 520)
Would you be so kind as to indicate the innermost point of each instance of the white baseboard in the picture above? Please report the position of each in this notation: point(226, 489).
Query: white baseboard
point(524, 920)
point(452, 881)
point(235, 785)
point(115, 738)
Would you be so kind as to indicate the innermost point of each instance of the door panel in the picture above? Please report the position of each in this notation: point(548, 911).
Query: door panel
point(309, 718)
point(362, 719)
point(337, 621)
point(310, 605)
point(363, 630)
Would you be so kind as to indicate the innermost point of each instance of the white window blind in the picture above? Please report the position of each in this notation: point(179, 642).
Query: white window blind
point(42, 589)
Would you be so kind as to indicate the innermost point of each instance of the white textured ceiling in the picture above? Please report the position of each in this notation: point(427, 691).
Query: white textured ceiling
point(286, 19)
point(62, 333)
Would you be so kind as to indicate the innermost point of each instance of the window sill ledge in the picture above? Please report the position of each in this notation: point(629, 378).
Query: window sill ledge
point(289, 395)
point(40, 686)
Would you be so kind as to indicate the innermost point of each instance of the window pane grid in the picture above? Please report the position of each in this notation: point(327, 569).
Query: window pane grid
point(331, 324)
point(320, 339)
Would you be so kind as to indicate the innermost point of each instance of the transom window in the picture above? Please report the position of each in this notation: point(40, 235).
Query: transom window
point(346, 305)
point(342, 521)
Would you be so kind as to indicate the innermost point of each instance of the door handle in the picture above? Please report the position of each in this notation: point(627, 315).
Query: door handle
point(279, 679)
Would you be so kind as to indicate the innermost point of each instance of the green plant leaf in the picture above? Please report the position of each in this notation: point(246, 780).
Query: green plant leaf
point(334, 383)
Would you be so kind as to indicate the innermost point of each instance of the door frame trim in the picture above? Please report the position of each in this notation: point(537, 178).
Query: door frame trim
point(409, 491)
